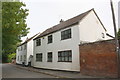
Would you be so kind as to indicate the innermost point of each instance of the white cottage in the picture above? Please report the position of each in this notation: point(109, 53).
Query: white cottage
point(24, 52)
point(58, 47)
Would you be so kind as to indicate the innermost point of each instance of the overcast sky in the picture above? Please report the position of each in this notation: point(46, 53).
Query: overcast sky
point(44, 14)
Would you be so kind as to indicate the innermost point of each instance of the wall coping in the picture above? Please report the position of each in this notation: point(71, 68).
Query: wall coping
point(103, 41)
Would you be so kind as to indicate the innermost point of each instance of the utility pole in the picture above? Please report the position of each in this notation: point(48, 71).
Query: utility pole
point(116, 39)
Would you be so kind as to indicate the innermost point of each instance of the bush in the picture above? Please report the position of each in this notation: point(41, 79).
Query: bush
point(10, 57)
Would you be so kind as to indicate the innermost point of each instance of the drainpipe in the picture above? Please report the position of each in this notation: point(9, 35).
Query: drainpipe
point(116, 39)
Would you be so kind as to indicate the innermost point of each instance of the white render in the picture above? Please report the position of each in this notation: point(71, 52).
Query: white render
point(57, 45)
point(27, 52)
point(89, 29)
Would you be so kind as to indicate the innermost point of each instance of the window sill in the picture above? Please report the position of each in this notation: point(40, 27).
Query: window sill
point(38, 61)
point(49, 61)
point(38, 46)
point(49, 43)
point(65, 39)
point(65, 61)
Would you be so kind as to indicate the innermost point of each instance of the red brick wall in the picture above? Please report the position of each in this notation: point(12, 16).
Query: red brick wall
point(98, 59)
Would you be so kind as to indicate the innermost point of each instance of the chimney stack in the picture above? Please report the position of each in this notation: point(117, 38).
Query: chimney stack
point(61, 20)
point(27, 38)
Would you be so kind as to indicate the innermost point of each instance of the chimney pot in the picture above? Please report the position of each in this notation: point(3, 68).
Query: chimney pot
point(61, 20)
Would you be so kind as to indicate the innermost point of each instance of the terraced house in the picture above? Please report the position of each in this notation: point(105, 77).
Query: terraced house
point(58, 47)
point(25, 51)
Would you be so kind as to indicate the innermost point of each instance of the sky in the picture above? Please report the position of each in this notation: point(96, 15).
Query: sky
point(44, 14)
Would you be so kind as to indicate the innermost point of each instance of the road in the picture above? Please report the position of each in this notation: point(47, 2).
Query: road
point(10, 71)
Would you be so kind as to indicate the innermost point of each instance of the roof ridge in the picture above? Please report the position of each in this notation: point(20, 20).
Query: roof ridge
point(29, 39)
point(64, 24)
point(80, 14)
point(71, 18)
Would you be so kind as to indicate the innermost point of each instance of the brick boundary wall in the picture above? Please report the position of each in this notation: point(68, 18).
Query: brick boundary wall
point(99, 59)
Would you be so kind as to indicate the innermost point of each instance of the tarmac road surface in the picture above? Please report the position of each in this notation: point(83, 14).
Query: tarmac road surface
point(10, 71)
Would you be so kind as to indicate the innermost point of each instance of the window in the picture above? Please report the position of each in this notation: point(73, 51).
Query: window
point(39, 57)
point(18, 58)
point(50, 39)
point(25, 46)
point(49, 57)
point(65, 56)
point(18, 48)
point(21, 48)
point(24, 57)
point(21, 58)
point(66, 34)
point(38, 42)
point(103, 36)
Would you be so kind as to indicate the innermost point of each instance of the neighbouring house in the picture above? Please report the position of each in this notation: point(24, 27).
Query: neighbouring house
point(58, 47)
point(24, 52)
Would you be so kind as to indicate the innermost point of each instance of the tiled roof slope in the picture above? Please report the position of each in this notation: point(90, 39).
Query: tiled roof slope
point(28, 39)
point(65, 24)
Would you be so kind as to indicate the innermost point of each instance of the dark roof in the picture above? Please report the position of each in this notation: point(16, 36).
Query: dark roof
point(66, 24)
point(28, 40)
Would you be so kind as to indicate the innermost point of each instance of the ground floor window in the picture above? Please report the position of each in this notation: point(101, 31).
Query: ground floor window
point(39, 57)
point(65, 56)
point(49, 57)
point(24, 57)
point(21, 58)
point(18, 58)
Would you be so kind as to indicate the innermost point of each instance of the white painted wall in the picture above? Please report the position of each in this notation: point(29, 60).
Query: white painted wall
point(27, 52)
point(88, 30)
point(19, 53)
point(59, 45)
point(91, 29)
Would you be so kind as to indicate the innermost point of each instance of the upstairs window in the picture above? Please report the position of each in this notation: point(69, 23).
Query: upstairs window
point(25, 47)
point(66, 34)
point(65, 56)
point(49, 57)
point(39, 57)
point(50, 39)
point(38, 42)
point(21, 58)
point(18, 48)
point(21, 48)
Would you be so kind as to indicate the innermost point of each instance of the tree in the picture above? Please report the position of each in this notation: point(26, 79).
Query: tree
point(13, 25)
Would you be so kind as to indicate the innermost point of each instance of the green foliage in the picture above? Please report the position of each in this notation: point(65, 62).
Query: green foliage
point(10, 57)
point(118, 34)
point(13, 25)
